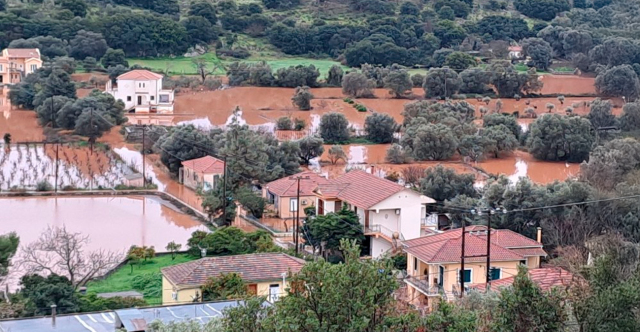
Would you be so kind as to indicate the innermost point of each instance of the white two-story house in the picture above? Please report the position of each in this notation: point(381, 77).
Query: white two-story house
point(143, 96)
point(389, 212)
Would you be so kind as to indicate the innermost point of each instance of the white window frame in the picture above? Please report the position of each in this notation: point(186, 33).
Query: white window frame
point(293, 205)
point(34, 68)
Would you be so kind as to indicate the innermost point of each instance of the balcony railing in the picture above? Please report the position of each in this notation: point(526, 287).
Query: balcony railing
point(378, 229)
point(422, 283)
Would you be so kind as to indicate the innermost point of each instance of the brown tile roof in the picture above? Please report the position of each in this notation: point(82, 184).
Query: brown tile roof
point(288, 186)
point(139, 74)
point(23, 53)
point(251, 267)
point(546, 278)
point(359, 188)
point(446, 247)
point(206, 164)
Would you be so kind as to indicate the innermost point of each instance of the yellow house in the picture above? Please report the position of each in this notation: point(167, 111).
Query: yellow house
point(16, 63)
point(283, 193)
point(264, 274)
point(434, 261)
point(206, 172)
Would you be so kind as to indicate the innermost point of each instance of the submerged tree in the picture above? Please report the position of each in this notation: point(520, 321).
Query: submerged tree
point(302, 98)
point(380, 128)
point(59, 251)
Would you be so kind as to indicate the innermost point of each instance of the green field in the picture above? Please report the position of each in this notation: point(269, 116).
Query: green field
point(121, 279)
point(184, 66)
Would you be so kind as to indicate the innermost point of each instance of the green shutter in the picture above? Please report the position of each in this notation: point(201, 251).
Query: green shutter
point(467, 275)
point(495, 273)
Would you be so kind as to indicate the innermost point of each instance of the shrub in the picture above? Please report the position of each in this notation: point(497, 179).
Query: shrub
point(284, 123)
point(44, 185)
point(360, 108)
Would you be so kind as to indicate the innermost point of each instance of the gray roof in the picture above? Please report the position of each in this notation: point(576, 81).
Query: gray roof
point(135, 294)
point(131, 319)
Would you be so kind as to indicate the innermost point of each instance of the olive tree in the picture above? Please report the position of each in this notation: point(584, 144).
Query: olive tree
point(540, 52)
point(499, 139)
point(396, 154)
point(380, 128)
point(334, 128)
point(398, 82)
point(302, 98)
point(334, 77)
point(441, 83)
point(600, 114)
point(556, 137)
point(619, 81)
point(357, 85)
point(434, 142)
point(310, 147)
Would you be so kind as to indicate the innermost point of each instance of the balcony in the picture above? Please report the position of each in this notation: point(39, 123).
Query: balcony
point(421, 283)
point(383, 232)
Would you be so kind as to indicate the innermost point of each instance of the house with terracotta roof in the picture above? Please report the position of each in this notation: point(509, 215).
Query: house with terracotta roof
point(143, 96)
point(434, 261)
point(206, 173)
point(389, 212)
point(547, 278)
point(16, 63)
point(265, 274)
point(283, 193)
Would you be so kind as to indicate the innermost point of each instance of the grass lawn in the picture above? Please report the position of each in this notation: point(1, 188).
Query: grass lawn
point(184, 66)
point(121, 279)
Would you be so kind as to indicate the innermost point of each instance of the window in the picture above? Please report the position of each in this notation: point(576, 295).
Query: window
point(128, 98)
point(293, 205)
point(152, 97)
point(141, 85)
point(496, 273)
point(164, 98)
point(467, 275)
point(1, 69)
point(415, 264)
point(33, 68)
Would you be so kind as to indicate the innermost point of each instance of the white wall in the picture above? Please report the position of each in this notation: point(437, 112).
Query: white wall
point(131, 88)
point(379, 247)
point(408, 222)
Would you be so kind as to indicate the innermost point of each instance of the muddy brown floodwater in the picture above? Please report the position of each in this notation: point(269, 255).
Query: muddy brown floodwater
point(112, 223)
point(519, 164)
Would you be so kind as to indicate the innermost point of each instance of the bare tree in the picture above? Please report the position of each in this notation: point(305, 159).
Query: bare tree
point(202, 67)
point(412, 175)
point(62, 252)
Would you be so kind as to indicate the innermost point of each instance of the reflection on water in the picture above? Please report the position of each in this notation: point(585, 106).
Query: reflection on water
point(519, 164)
point(112, 223)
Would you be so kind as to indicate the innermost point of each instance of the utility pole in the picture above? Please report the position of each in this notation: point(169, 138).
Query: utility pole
point(57, 158)
point(91, 124)
point(489, 213)
point(296, 234)
point(296, 227)
point(462, 256)
point(224, 190)
point(144, 168)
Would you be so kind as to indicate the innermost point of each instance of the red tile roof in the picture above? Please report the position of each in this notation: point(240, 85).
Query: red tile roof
point(359, 188)
point(546, 278)
point(446, 247)
point(288, 186)
point(251, 267)
point(140, 75)
point(206, 164)
point(23, 53)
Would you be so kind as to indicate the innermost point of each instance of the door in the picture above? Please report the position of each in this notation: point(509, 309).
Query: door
point(273, 292)
point(139, 100)
point(320, 207)
point(441, 276)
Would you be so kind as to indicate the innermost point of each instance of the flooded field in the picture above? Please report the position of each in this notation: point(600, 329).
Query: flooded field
point(23, 166)
point(519, 164)
point(112, 223)
point(568, 84)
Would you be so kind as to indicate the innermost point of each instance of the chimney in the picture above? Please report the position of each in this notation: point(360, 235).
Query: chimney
point(53, 315)
point(373, 170)
point(539, 235)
